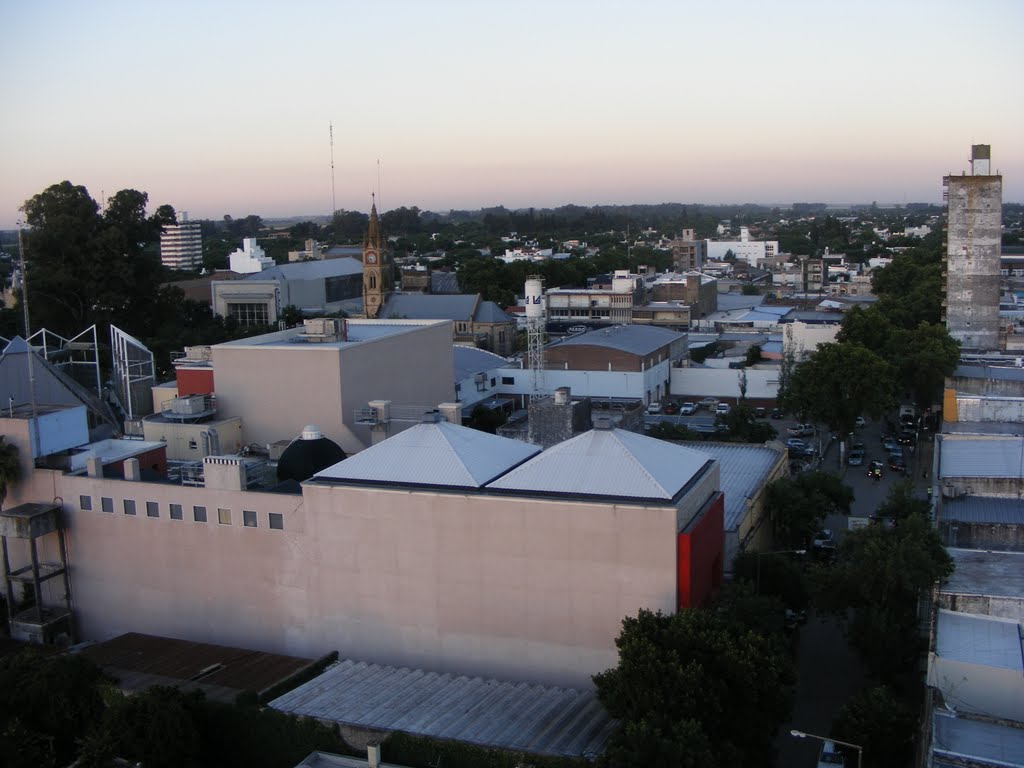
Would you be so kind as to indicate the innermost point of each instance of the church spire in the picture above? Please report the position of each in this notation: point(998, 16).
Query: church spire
point(373, 231)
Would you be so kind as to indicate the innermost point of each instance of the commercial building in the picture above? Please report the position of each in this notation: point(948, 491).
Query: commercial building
point(973, 250)
point(181, 245)
point(441, 547)
point(688, 253)
point(751, 251)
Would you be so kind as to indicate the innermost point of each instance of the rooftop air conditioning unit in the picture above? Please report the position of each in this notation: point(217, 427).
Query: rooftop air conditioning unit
point(325, 329)
point(189, 405)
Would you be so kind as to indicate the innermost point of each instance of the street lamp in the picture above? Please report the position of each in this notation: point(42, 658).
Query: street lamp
point(757, 583)
point(802, 735)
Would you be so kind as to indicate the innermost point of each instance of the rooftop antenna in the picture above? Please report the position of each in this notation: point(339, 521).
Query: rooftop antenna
point(28, 334)
point(334, 201)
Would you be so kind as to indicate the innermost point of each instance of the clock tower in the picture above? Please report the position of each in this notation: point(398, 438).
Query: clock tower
point(377, 278)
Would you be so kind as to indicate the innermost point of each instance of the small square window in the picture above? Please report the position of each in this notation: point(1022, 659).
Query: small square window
point(85, 503)
point(248, 518)
point(276, 520)
point(508, 380)
point(224, 516)
point(106, 504)
point(152, 509)
point(175, 511)
point(199, 514)
point(129, 506)
point(192, 445)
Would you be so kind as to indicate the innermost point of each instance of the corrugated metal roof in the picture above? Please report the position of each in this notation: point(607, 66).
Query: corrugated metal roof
point(420, 306)
point(984, 509)
point(996, 574)
point(310, 270)
point(993, 457)
point(608, 462)
point(956, 737)
point(1000, 372)
point(516, 716)
point(470, 360)
point(743, 471)
point(636, 339)
point(435, 454)
point(444, 282)
point(984, 640)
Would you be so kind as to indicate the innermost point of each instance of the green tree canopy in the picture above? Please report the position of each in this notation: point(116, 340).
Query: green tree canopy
point(838, 383)
point(687, 670)
point(797, 506)
point(881, 724)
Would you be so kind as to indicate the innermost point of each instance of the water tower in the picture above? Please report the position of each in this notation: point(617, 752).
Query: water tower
point(535, 332)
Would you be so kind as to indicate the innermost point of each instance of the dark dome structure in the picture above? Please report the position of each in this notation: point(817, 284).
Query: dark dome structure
point(307, 455)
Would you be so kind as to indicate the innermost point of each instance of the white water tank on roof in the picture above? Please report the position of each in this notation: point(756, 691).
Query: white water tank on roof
point(534, 298)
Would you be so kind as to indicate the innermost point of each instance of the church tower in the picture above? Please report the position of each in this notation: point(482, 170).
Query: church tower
point(377, 278)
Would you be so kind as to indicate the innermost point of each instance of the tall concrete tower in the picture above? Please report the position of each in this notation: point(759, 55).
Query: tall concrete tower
point(973, 247)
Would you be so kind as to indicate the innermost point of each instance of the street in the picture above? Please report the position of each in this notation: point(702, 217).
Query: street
point(829, 672)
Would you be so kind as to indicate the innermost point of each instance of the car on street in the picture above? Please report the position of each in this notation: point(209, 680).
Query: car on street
point(875, 469)
point(889, 442)
point(823, 539)
point(776, 413)
point(796, 444)
point(722, 409)
point(896, 463)
point(801, 430)
point(760, 413)
point(906, 437)
point(687, 409)
point(654, 407)
point(830, 756)
point(860, 422)
point(671, 408)
point(857, 455)
point(709, 403)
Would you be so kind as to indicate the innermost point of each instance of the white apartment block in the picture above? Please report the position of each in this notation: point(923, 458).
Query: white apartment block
point(744, 249)
point(250, 258)
point(181, 245)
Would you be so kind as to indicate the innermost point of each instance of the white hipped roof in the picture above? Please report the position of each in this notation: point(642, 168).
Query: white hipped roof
point(608, 462)
point(433, 454)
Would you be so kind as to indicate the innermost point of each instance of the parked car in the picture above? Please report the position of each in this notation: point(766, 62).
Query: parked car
point(856, 457)
point(889, 442)
point(875, 469)
point(823, 539)
point(860, 422)
point(688, 409)
point(722, 409)
point(801, 430)
point(776, 413)
point(760, 413)
point(830, 756)
point(896, 463)
point(654, 407)
point(709, 403)
point(906, 437)
point(671, 408)
point(796, 444)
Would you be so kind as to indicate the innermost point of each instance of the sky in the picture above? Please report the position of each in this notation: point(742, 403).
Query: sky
point(225, 107)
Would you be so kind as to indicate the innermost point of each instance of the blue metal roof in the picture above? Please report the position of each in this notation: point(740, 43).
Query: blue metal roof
point(993, 457)
point(984, 509)
point(537, 719)
point(743, 470)
point(470, 360)
point(420, 306)
point(310, 270)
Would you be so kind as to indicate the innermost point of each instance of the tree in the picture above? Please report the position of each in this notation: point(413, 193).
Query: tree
point(798, 506)
point(838, 383)
point(923, 357)
point(881, 724)
point(879, 576)
point(753, 356)
point(697, 667)
point(10, 467)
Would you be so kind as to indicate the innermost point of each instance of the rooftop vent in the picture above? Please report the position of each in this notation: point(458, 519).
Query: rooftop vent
point(319, 330)
point(603, 423)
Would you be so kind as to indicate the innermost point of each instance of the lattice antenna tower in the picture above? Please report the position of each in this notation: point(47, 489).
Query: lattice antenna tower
point(334, 200)
point(535, 332)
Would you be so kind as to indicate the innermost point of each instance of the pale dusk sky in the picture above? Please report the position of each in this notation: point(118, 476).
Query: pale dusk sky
point(223, 107)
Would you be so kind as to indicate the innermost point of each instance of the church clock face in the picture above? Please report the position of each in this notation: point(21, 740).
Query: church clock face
point(371, 258)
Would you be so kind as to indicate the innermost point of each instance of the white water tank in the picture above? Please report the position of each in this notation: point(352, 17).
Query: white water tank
point(534, 298)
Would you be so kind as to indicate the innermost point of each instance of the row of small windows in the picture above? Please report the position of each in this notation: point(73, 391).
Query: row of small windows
point(275, 520)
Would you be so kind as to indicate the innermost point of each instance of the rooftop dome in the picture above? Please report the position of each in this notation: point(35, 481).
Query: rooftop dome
point(307, 455)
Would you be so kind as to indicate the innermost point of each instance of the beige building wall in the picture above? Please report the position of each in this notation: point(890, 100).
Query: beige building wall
point(276, 390)
point(513, 587)
point(185, 441)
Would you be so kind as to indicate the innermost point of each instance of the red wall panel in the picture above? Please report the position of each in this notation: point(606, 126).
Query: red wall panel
point(195, 381)
point(699, 552)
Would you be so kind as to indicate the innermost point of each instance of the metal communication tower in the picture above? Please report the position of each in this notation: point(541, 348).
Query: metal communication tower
point(535, 332)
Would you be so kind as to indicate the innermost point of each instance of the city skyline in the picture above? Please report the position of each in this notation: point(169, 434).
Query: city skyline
point(225, 110)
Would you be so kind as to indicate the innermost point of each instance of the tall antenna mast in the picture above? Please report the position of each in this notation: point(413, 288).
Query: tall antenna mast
point(334, 200)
